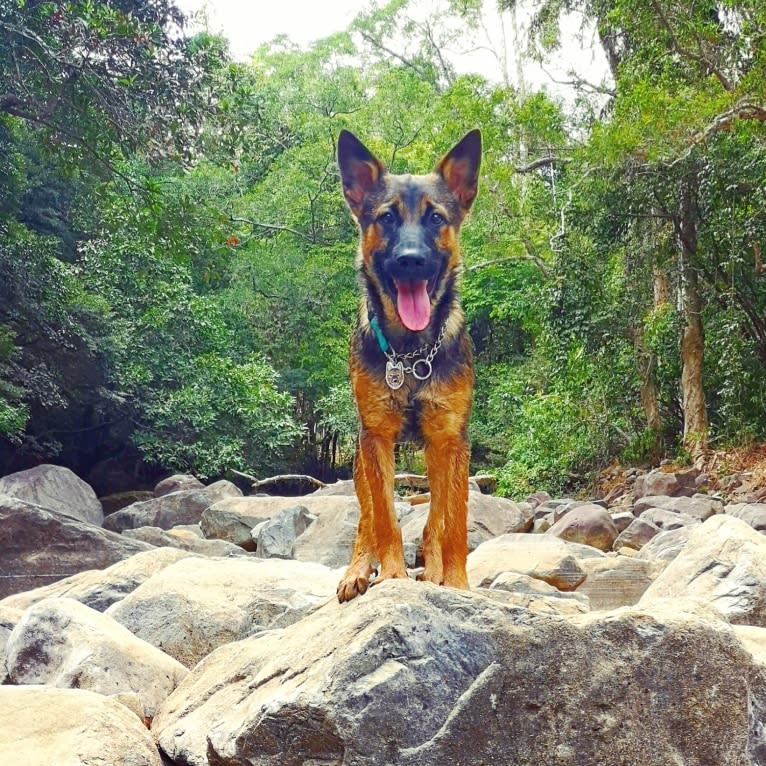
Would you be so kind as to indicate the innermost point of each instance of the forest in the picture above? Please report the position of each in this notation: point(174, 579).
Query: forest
point(177, 284)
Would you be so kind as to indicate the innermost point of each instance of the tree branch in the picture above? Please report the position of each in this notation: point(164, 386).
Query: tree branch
point(541, 163)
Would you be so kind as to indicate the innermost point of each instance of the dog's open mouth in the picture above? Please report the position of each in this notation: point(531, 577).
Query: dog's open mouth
point(413, 303)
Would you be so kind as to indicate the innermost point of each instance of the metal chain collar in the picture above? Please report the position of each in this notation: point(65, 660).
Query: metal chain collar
point(395, 368)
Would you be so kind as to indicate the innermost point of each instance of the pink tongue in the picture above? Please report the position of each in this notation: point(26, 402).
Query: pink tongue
point(413, 304)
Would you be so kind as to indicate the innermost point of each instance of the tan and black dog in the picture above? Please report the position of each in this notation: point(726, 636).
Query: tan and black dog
point(411, 365)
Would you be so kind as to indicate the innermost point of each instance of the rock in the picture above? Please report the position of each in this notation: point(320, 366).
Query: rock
point(588, 524)
point(275, 537)
point(198, 604)
point(637, 535)
point(413, 674)
point(668, 520)
point(666, 545)
point(178, 482)
point(487, 483)
point(234, 518)
point(119, 500)
point(660, 482)
point(183, 507)
point(700, 507)
point(622, 519)
point(558, 507)
point(185, 541)
point(38, 546)
point(343, 487)
point(537, 498)
point(61, 642)
point(56, 489)
point(9, 618)
point(41, 726)
point(488, 517)
point(753, 514)
point(537, 596)
point(100, 588)
point(543, 557)
point(617, 581)
point(330, 539)
point(724, 564)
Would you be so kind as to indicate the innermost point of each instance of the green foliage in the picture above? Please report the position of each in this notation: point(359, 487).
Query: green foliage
point(177, 261)
point(217, 415)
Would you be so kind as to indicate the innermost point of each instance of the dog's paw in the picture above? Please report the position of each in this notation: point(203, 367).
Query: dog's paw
point(355, 582)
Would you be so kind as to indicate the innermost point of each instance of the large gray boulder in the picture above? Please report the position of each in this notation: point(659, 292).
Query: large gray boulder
point(39, 546)
point(198, 604)
point(61, 642)
point(57, 489)
point(45, 726)
point(724, 564)
point(589, 524)
point(543, 557)
point(100, 588)
point(413, 674)
point(182, 507)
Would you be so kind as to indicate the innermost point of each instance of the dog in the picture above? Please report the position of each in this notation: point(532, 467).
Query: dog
point(411, 364)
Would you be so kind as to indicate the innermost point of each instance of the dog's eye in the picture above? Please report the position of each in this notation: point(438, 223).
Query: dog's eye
point(386, 218)
point(437, 219)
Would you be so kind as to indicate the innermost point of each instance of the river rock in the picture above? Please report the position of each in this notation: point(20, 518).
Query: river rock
point(672, 484)
point(182, 507)
point(43, 726)
point(39, 546)
point(61, 642)
point(753, 514)
point(668, 520)
point(181, 538)
point(413, 674)
point(275, 537)
point(589, 524)
point(178, 482)
point(543, 557)
point(100, 588)
point(57, 489)
point(637, 534)
point(700, 507)
point(723, 563)
point(198, 604)
point(616, 581)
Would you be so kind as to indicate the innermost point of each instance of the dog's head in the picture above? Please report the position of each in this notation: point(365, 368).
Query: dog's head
point(409, 225)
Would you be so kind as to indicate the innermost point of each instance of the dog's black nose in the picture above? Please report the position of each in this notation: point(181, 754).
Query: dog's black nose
point(410, 262)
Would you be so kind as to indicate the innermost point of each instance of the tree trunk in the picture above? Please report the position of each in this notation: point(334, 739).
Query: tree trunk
point(693, 340)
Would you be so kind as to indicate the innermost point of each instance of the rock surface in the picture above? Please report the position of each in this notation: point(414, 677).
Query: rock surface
point(416, 674)
point(47, 647)
point(181, 507)
point(38, 546)
point(100, 588)
point(588, 524)
point(57, 489)
point(43, 726)
point(563, 653)
point(543, 557)
point(724, 563)
point(198, 604)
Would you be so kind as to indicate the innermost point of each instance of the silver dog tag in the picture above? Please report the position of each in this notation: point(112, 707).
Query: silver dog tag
point(394, 374)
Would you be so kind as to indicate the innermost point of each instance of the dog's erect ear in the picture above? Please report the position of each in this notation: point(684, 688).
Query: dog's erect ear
point(460, 168)
point(360, 170)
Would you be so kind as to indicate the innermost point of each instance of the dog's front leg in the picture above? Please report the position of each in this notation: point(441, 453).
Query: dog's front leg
point(378, 536)
point(444, 423)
